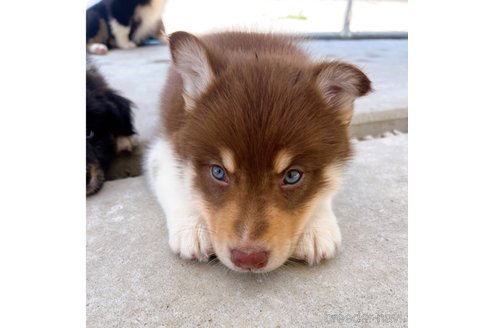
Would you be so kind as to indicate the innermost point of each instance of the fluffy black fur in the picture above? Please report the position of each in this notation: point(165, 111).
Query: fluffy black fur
point(108, 115)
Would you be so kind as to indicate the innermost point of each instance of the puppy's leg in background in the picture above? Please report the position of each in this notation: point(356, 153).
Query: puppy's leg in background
point(97, 48)
point(126, 143)
point(321, 236)
point(97, 34)
point(171, 183)
point(121, 35)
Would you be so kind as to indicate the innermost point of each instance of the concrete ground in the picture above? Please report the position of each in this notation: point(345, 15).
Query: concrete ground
point(140, 74)
point(133, 279)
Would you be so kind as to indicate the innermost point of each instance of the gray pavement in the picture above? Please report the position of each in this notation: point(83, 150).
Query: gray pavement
point(140, 74)
point(133, 279)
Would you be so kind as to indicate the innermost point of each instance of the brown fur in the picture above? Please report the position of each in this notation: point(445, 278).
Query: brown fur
point(265, 96)
point(96, 179)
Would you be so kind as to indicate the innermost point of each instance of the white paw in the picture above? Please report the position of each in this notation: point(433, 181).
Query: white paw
point(126, 143)
point(97, 48)
point(127, 45)
point(318, 243)
point(191, 243)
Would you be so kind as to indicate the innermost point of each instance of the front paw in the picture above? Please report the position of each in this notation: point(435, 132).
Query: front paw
point(97, 48)
point(127, 45)
point(318, 243)
point(126, 143)
point(191, 243)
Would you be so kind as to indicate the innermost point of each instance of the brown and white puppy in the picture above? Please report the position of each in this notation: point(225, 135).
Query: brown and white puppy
point(254, 136)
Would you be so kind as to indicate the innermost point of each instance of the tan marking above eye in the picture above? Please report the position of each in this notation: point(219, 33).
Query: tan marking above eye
point(228, 160)
point(282, 161)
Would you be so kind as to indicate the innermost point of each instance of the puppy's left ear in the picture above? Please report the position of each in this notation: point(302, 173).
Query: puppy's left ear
point(340, 83)
point(192, 61)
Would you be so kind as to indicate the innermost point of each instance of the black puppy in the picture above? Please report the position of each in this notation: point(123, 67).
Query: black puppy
point(123, 24)
point(109, 128)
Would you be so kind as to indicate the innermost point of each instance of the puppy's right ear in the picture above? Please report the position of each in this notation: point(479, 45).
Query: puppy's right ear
point(340, 84)
point(191, 60)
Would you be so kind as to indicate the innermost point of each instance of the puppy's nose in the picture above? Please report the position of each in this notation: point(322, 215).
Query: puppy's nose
point(249, 260)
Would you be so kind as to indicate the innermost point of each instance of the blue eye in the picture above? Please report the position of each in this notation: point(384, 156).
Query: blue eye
point(218, 173)
point(292, 177)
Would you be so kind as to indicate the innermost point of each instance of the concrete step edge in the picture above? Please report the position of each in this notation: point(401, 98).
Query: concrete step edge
point(370, 126)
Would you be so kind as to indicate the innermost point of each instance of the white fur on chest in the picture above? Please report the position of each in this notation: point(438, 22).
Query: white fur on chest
point(149, 16)
point(171, 181)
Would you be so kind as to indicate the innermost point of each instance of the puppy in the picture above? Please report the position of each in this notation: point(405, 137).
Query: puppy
point(109, 128)
point(254, 137)
point(122, 24)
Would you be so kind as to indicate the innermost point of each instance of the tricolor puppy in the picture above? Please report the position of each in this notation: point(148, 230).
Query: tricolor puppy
point(122, 24)
point(109, 128)
point(254, 136)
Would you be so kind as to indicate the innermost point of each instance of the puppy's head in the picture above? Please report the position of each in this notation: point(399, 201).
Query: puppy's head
point(108, 115)
point(264, 137)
